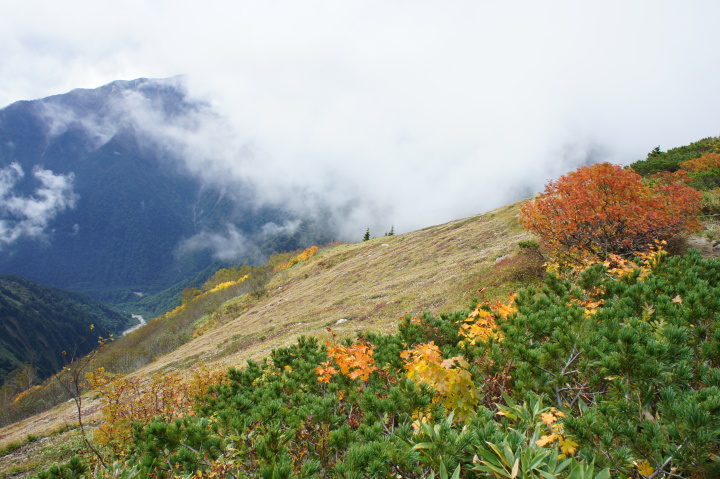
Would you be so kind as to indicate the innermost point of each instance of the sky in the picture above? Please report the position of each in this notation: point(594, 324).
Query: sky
point(415, 112)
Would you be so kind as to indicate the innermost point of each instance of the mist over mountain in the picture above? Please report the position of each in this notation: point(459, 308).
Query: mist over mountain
point(96, 194)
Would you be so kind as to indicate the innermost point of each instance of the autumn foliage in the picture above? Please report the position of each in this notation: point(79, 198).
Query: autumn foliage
point(128, 400)
point(450, 378)
point(305, 255)
point(606, 209)
point(355, 361)
point(707, 162)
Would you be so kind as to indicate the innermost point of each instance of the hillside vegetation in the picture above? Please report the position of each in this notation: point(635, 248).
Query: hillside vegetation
point(371, 285)
point(612, 372)
point(448, 352)
point(38, 323)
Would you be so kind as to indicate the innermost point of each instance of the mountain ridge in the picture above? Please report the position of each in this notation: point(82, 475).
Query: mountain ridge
point(93, 202)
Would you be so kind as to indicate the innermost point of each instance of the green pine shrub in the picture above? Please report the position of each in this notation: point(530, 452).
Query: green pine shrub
point(613, 371)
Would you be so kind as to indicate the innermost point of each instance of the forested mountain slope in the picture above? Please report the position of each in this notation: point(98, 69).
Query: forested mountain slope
point(39, 322)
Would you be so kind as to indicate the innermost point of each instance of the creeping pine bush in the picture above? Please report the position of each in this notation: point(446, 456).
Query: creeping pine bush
point(612, 371)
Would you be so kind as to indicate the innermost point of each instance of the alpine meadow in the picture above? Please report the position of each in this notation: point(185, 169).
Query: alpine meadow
point(574, 334)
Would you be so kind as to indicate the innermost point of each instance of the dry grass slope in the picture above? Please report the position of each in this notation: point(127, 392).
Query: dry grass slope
point(369, 284)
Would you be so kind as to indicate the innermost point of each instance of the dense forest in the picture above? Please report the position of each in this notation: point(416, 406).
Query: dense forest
point(39, 323)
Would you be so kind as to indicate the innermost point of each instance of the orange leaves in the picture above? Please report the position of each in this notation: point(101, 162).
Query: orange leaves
point(354, 361)
point(604, 209)
point(325, 372)
point(450, 378)
point(549, 418)
point(707, 162)
point(619, 267)
point(590, 305)
point(480, 324)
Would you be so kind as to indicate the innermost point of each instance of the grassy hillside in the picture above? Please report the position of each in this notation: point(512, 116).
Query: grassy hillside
point(377, 360)
point(370, 285)
point(609, 370)
point(538, 378)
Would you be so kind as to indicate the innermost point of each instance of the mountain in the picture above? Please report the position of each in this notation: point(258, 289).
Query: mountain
point(39, 322)
point(93, 199)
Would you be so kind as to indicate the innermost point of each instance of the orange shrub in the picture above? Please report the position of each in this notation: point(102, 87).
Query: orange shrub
point(603, 209)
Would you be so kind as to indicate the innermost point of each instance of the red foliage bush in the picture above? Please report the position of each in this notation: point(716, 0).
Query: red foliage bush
point(606, 209)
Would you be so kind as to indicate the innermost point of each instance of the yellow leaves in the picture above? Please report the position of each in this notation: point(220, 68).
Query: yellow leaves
point(450, 378)
point(590, 306)
point(137, 399)
point(552, 267)
point(547, 439)
point(227, 284)
point(619, 267)
point(22, 394)
point(556, 433)
point(420, 418)
point(567, 446)
point(707, 162)
point(549, 418)
point(99, 378)
point(481, 325)
point(677, 299)
point(505, 310)
point(644, 468)
point(654, 255)
point(354, 361)
point(305, 255)
point(173, 312)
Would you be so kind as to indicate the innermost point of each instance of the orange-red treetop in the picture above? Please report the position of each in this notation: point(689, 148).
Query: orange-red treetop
point(606, 209)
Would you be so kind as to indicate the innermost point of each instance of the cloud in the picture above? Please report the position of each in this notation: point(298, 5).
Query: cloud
point(229, 245)
point(29, 216)
point(59, 119)
point(287, 228)
point(394, 112)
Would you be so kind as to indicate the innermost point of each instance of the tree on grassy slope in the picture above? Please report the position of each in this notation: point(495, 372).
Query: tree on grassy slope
point(606, 209)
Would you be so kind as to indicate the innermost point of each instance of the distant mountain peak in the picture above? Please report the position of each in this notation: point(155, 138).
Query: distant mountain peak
point(122, 149)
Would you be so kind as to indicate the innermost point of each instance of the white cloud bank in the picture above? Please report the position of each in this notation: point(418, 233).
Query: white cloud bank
point(28, 216)
point(404, 112)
